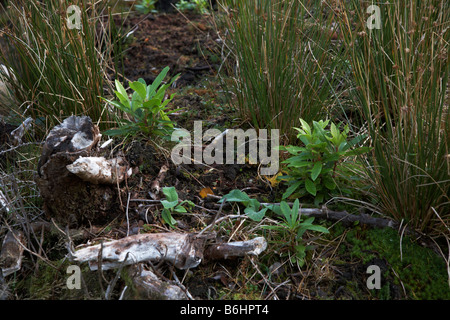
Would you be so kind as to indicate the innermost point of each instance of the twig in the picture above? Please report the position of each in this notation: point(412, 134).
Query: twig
point(100, 271)
point(264, 277)
point(113, 283)
point(181, 285)
point(126, 212)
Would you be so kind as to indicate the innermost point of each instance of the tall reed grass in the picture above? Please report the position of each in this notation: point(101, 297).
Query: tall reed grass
point(58, 70)
point(284, 64)
point(401, 72)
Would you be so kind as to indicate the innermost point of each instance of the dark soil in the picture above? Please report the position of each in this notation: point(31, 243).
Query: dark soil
point(184, 43)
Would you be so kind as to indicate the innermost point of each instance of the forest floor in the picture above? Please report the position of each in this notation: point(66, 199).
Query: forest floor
point(336, 264)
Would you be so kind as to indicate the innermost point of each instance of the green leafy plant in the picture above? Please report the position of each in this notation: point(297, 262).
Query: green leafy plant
point(252, 206)
point(312, 168)
point(199, 6)
point(292, 228)
point(172, 205)
point(147, 108)
point(146, 6)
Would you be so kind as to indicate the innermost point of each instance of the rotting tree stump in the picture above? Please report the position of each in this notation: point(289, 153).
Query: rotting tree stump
point(68, 198)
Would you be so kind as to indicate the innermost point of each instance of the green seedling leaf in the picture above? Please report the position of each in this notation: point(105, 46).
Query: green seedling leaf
point(152, 88)
point(140, 88)
point(167, 217)
point(292, 188)
point(121, 93)
point(170, 193)
point(316, 170)
point(255, 215)
point(169, 204)
point(310, 187)
point(236, 196)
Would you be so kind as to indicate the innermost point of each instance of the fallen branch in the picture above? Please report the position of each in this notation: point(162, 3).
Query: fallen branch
point(343, 216)
point(236, 249)
point(184, 251)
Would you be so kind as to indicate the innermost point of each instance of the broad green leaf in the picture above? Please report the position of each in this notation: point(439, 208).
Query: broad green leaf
point(170, 193)
point(180, 209)
point(150, 104)
point(236, 195)
point(169, 204)
point(123, 96)
point(286, 211)
point(167, 217)
point(330, 184)
point(152, 88)
point(140, 88)
point(310, 187)
point(316, 170)
point(305, 126)
point(255, 215)
point(291, 189)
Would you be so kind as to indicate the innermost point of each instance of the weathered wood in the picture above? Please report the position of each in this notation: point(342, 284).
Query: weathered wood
point(343, 216)
point(184, 251)
point(12, 252)
point(149, 286)
point(236, 249)
point(18, 133)
point(348, 218)
point(98, 170)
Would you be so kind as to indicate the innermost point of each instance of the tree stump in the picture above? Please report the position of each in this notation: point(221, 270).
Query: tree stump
point(69, 199)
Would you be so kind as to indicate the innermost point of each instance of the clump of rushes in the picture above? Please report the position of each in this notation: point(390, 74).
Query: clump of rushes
point(284, 62)
point(57, 70)
point(401, 74)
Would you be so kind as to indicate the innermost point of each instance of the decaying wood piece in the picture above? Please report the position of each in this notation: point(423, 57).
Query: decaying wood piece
point(69, 199)
point(98, 170)
point(184, 251)
point(149, 286)
point(156, 184)
point(12, 251)
point(18, 133)
point(236, 249)
point(348, 218)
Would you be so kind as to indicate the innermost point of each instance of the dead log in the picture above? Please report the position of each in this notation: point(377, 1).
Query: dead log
point(184, 251)
point(12, 252)
point(236, 249)
point(344, 217)
point(148, 286)
point(67, 198)
point(348, 218)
